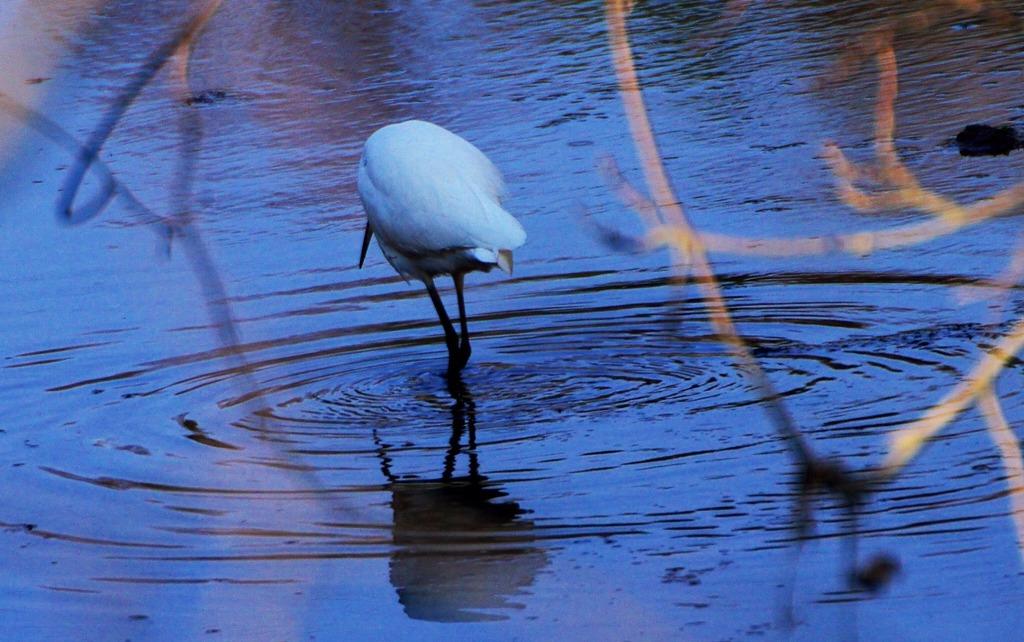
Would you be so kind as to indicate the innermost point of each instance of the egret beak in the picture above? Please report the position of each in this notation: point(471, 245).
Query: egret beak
point(505, 261)
point(367, 235)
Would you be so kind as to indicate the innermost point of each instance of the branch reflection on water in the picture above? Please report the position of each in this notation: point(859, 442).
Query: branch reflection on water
point(462, 551)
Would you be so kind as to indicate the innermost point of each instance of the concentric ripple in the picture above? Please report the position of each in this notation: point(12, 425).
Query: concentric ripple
point(621, 375)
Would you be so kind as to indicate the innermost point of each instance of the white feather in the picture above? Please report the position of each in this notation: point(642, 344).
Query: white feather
point(434, 202)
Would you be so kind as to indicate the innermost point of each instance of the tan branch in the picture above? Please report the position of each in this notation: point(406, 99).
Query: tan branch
point(907, 442)
point(688, 248)
point(1010, 455)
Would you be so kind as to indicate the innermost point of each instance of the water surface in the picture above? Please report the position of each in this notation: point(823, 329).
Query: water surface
point(604, 471)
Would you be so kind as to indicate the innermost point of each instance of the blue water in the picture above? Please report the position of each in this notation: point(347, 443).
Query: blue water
point(605, 472)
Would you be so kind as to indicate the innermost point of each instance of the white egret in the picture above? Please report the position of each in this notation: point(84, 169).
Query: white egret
point(434, 202)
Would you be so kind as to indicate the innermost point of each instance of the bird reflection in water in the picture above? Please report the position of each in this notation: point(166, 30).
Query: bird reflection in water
point(462, 553)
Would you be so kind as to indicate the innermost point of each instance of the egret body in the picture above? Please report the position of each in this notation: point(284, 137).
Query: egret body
point(434, 202)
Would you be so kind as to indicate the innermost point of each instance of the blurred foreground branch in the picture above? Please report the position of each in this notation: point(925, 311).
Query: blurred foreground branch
point(665, 213)
point(88, 153)
point(1010, 455)
point(667, 227)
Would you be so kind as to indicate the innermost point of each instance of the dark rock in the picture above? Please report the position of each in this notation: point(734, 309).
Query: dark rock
point(986, 140)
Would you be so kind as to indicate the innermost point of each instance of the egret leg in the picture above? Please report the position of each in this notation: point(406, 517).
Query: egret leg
point(451, 338)
point(464, 347)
